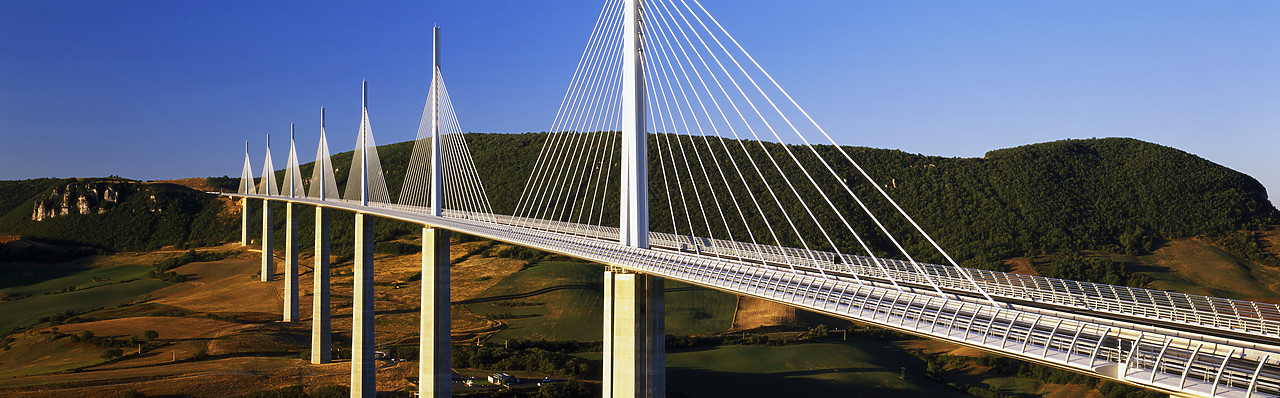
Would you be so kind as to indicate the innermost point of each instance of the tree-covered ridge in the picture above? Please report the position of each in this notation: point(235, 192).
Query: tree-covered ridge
point(1113, 194)
point(140, 216)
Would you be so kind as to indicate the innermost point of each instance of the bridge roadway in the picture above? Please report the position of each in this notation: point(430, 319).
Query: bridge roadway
point(1078, 332)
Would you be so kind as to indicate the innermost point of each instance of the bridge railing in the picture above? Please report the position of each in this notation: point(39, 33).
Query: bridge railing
point(1213, 312)
point(1127, 354)
point(1227, 314)
point(1171, 362)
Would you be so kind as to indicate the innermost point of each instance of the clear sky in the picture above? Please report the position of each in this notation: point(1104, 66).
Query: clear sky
point(171, 89)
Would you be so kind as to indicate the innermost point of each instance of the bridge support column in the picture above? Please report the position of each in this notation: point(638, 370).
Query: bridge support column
point(634, 336)
point(363, 382)
point(268, 258)
point(290, 263)
point(244, 222)
point(435, 374)
point(321, 335)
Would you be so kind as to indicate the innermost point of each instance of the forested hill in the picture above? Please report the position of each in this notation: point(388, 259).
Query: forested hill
point(109, 214)
point(1117, 194)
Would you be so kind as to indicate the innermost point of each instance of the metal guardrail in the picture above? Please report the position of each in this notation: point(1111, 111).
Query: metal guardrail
point(1175, 363)
point(1241, 316)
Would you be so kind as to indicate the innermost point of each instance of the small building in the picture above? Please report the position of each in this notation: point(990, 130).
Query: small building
point(501, 379)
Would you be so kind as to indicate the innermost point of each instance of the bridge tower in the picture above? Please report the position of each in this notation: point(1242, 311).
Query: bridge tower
point(363, 383)
point(268, 257)
point(435, 376)
point(246, 187)
point(291, 235)
point(634, 332)
point(321, 335)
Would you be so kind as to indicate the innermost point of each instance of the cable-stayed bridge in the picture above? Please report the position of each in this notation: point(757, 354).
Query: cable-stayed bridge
point(674, 155)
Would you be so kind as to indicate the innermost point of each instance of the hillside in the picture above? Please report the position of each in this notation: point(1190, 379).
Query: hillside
point(110, 214)
point(1113, 210)
point(1116, 194)
point(1113, 194)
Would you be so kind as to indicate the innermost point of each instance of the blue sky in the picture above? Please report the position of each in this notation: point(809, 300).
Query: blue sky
point(171, 89)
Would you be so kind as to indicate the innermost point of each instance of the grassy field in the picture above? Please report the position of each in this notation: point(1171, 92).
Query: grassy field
point(1191, 266)
point(821, 369)
point(39, 353)
point(27, 311)
point(562, 301)
point(81, 279)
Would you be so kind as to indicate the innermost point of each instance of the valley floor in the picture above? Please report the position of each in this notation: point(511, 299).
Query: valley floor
point(218, 333)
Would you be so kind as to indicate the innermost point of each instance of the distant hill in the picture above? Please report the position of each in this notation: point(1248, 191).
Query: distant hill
point(112, 214)
point(1115, 194)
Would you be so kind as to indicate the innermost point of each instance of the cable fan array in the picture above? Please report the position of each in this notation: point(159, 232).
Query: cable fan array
point(463, 192)
point(464, 195)
point(366, 152)
point(323, 183)
point(731, 166)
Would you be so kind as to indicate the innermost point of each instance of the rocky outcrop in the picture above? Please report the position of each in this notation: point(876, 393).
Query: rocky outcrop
point(43, 211)
point(83, 205)
point(112, 195)
point(76, 198)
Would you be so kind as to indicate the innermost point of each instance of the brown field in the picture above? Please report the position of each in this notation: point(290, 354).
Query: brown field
point(246, 347)
point(1020, 265)
point(221, 333)
point(196, 183)
point(1271, 241)
point(755, 313)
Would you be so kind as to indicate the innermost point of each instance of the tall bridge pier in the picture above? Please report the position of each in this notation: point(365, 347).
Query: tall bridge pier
point(635, 340)
point(634, 330)
point(244, 222)
point(268, 259)
point(435, 374)
point(363, 382)
point(290, 263)
point(321, 334)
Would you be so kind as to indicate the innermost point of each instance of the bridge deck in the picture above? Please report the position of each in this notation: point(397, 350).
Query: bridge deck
point(1164, 358)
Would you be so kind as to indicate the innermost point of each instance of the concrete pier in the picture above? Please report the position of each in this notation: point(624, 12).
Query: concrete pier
point(435, 374)
point(290, 263)
point(363, 383)
point(321, 334)
point(634, 340)
point(244, 222)
point(268, 258)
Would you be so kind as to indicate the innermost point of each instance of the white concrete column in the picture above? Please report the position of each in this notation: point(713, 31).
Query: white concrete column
point(363, 382)
point(244, 222)
point(435, 374)
point(607, 326)
point(635, 342)
point(633, 223)
point(656, 337)
point(290, 263)
point(437, 181)
point(321, 335)
point(268, 258)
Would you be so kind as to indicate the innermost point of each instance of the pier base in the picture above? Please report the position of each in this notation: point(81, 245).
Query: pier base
point(435, 374)
point(634, 335)
point(321, 334)
point(363, 383)
point(268, 258)
point(290, 263)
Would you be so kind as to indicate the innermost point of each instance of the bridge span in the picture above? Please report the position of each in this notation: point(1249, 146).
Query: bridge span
point(658, 71)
